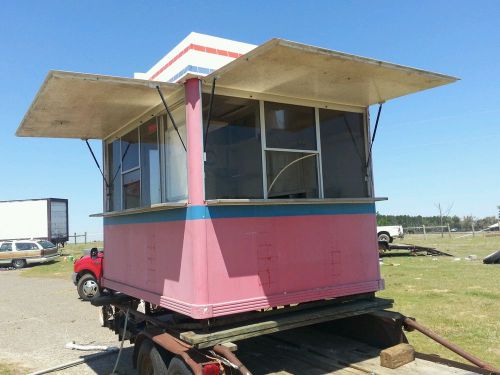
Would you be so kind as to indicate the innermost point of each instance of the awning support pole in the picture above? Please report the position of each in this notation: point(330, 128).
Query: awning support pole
point(97, 163)
point(373, 136)
point(209, 117)
point(170, 116)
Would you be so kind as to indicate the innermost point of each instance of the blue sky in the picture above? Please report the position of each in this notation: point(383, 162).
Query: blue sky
point(437, 146)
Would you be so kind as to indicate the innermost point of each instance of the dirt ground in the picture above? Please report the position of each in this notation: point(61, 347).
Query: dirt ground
point(38, 316)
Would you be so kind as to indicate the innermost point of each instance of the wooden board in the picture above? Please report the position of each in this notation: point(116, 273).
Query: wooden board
point(311, 350)
point(277, 323)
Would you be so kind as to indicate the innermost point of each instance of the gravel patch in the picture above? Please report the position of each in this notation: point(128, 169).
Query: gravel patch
point(39, 316)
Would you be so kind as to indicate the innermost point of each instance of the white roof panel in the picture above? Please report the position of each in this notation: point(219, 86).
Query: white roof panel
point(89, 106)
point(295, 70)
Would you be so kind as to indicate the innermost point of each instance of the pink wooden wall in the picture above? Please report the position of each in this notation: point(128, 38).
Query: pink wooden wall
point(219, 266)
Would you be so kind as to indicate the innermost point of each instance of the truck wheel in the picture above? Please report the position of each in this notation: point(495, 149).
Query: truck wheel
point(87, 287)
point(178, 367)
point(149, 360)
point(19, 263)
point(384, 236)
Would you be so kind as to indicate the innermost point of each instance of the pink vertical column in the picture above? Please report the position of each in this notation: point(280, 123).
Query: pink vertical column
point(196, 195)
point(195, 244)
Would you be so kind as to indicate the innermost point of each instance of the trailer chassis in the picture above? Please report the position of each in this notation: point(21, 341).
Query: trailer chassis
point(164, 339)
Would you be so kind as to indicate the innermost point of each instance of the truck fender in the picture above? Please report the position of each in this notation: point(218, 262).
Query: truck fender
point(84, 272)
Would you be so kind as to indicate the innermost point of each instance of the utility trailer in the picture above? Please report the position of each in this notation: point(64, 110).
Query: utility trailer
point(349, 335)
point(238, 192)
point(384, 246)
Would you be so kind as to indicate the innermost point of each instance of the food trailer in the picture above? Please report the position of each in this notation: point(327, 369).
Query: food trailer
point(238, 203)
point(240, 185)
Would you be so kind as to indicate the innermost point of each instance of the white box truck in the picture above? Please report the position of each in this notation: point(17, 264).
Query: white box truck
point(34, 218)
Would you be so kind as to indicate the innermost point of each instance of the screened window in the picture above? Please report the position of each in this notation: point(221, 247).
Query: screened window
point(150, 163)
point(290, 126)
point(131, 189)
point(131, 176)
point(130, 150)
point(233, 166)
point(175, 164)
point(291, 151)
point(292, 175)
point(343, 154)
point(114, 176)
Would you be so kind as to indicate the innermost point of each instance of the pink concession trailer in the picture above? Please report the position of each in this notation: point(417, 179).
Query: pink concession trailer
point(237, 177)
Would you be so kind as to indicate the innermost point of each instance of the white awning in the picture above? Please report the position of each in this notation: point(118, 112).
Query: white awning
point(89, 106)
point(295, 70)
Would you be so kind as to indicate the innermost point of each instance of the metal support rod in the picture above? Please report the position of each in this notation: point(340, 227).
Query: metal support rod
point(74, 363)
point(97, 163)
point(170, 116)
point(373, 136)
point(209, 117)
point(454, 348)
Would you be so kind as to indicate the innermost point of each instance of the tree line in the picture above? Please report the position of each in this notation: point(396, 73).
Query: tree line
point(460, 223)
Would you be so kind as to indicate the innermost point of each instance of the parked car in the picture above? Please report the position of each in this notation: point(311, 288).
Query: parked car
point(389, 232)
point(19, 253)
point(87, 274)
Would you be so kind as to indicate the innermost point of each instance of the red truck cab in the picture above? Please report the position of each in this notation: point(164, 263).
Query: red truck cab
point(87, 274)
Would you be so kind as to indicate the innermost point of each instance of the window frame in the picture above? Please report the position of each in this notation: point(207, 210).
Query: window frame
point(261, 98)
point(160, 139)
point(159, 128)
point(264, 147)
point(319, 164)
point(130, 170)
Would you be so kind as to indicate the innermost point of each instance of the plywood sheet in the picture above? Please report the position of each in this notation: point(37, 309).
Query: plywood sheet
point(295, 70)
point(89, 106)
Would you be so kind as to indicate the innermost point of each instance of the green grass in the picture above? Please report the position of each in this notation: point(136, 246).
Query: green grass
point(63, 267)
point(459, 300)
point(8, 369)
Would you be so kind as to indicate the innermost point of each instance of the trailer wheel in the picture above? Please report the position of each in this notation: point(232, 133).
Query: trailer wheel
point(19, 263)
point(384, 236)
point(178, 367)
point(87, 287)
point(150, 361)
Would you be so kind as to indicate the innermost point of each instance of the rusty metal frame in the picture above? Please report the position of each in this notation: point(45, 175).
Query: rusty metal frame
point(410, 324)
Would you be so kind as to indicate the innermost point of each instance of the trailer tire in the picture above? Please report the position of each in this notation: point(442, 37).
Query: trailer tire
point(87, 287)
point(18, 263)
point(178, 367)
point(150, 361)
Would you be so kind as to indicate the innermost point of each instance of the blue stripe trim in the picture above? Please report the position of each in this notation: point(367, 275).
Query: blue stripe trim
point(191, 69)
point(225, 212)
